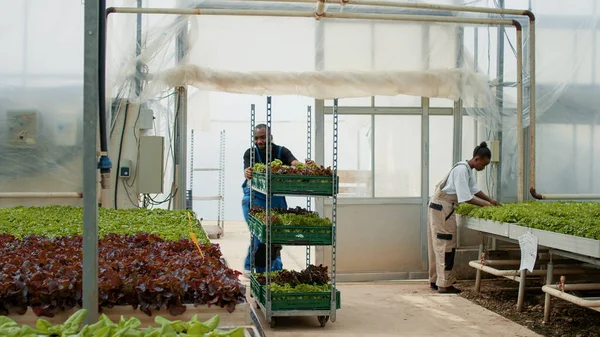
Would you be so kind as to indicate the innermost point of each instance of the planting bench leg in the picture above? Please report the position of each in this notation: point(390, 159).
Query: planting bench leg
point(549, 280)
point(478, 271)
point(521, 298)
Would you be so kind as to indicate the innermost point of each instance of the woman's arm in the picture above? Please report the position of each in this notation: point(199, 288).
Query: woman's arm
point(483, 196)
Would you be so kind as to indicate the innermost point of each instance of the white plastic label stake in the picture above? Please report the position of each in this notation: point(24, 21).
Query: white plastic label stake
point(529, 244)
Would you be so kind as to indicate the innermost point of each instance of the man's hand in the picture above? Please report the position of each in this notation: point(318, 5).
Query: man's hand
point(248, 173)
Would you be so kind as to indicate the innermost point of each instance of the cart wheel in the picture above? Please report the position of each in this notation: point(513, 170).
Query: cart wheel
point(272, 324)
point(323, 320)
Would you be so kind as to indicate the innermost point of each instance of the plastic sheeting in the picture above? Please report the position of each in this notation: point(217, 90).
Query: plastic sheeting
point(453, 84)
point(324, 59)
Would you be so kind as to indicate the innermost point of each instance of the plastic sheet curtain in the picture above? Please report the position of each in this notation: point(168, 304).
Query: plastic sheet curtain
point(258, 56)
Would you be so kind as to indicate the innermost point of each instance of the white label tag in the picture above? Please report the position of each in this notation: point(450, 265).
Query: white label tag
point(529, 244)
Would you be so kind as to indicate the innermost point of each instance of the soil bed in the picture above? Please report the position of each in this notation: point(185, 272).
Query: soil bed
point(566, 319)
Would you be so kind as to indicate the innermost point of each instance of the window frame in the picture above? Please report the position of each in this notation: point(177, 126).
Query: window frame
point(372, 112)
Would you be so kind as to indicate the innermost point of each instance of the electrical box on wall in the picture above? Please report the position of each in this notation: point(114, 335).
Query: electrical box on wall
point(146, 119)
point(494, 146)
point(125, 169)
point(22, 127)
point(150, 164)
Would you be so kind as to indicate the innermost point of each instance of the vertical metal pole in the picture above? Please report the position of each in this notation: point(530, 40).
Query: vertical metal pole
point(520, 135)
point(138, 51)
point(189, 197)
point(308, 156)
point(549, 280)
point(252, 159)
point(373, 158)
point(424, 178)
point(522, 283)
point(478, 272)
point(425, 155)
point(222, 191)
point(319, 126)
point(93, 11)
point(500, 97)
point(332, 315)
point(458, 115)
point(268, 172)
point(181, 124)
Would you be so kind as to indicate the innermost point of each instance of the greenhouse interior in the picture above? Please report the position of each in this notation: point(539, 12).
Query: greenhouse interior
point(303, 167)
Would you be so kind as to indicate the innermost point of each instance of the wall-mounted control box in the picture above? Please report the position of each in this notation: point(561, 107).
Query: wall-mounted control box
point(125, 169)
point(22, 127)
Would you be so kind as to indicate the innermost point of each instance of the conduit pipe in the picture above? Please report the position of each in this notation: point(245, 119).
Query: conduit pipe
point(320, 9)
point(554, 291)
point(516, 273)
point(518, 262)
point(391, 17)
point(520, 140)
point(366, 16)
point(104, 163)
point(40, 195)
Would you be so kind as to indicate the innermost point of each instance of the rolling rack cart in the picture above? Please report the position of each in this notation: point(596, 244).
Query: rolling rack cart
point(320, 304)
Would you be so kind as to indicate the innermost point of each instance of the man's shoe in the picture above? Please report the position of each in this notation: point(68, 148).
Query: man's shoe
point(433, 286)
point(449, 290)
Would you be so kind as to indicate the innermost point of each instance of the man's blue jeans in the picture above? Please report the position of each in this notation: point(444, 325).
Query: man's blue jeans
point(278, 202)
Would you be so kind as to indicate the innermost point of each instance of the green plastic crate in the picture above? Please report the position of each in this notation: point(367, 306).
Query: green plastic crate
point(296, 184)
point(255, 288)
point(292, 235)
point(294, 301)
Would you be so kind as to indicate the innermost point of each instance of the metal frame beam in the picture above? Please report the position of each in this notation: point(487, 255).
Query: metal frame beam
point(91, 90)
point(389, 111)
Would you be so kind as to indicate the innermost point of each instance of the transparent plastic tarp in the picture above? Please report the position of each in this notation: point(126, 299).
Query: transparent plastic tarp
point(230, 62)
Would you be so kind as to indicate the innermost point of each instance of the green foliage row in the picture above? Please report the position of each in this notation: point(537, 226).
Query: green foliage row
point(124, 328)
point(68, 221)
point(300, 288)
point(580, 219)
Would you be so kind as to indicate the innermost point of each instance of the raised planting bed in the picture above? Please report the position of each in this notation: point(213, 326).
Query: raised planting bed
point(292, 290)
point(302, 179)
point(581, 219)
point(67, 221)
point(141, 272)
point(132, 326)
point(568, 226)
point(294, 226)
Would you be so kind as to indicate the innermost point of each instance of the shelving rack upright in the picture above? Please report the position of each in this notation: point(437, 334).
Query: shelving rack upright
point(220, 197)
point(295, 304)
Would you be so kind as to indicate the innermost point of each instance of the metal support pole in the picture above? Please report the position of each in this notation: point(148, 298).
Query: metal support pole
point(424, 178)
point(308, 156)
point(268, 158)
point(500, 98)
point(181, 127)
point(332, 315)
point(522, 284)
point(93, 11)
point(547, 299)
point(319, 127)
point(478, 271)
point(252, 160)
point(520, 140)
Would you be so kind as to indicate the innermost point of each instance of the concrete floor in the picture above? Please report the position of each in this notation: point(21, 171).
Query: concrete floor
point(403, 308)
